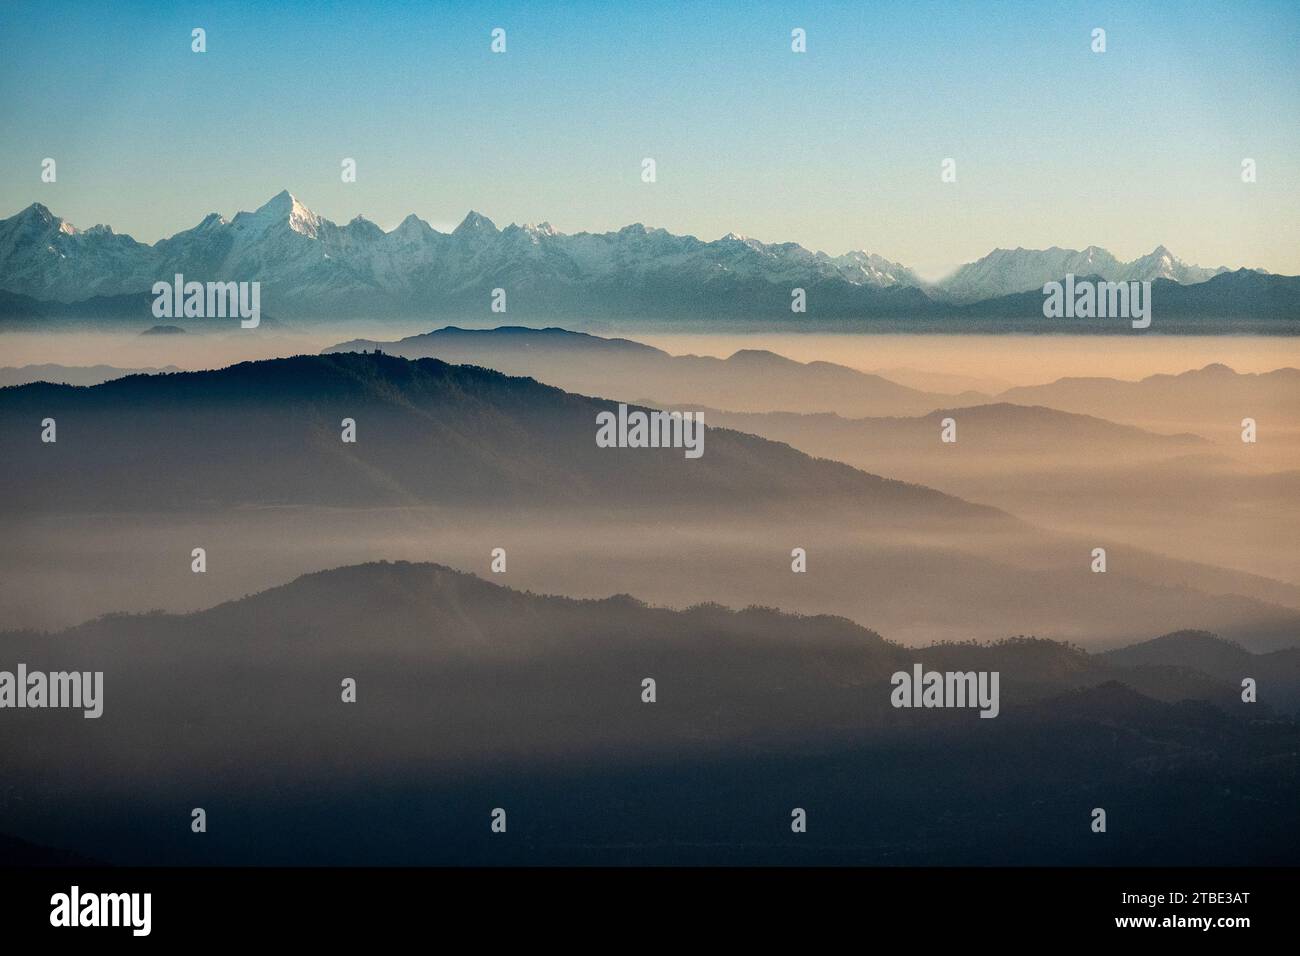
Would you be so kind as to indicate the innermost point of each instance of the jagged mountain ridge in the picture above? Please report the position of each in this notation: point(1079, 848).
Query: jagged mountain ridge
point(1008, 271)
point(310, 266)
point(310, 262)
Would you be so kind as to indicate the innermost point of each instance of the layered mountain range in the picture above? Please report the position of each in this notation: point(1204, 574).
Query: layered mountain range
point(757, 380)
point(310, 267)
point(267, 433)
point(473, 695)
point(509, 457)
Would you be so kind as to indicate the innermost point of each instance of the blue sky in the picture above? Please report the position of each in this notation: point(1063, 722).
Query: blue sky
point(839, 148)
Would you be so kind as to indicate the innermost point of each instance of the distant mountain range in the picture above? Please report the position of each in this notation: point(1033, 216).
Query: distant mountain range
point(1007, 271)
point(997, 430)
point(748, 380)
point(1215, 392)
point(312, 269)
point(756, 380)
point(1244, 301)
point(72, 375)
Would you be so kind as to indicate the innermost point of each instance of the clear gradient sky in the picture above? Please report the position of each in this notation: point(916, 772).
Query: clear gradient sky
point(837, 149)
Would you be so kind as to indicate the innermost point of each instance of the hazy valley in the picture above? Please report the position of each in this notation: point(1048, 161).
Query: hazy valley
point(469, 441)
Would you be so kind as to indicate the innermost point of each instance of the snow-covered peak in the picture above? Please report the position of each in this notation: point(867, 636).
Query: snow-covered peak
point(1004, 272)
point(309, 263)
point(38, 216)
point(475, 224)
point(363, 229)
point(37, 212)
point(412, 227)
point(1160, 263)
point(869, 268)
point(284, 207)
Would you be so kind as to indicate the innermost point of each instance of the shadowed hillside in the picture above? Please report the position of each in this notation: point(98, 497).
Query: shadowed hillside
point(269, 433)
point(1277, 673)
point(474, 692)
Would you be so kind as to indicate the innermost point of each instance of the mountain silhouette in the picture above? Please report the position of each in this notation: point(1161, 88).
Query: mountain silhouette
point(71, 375)
point(1277, 673)
point(270, 433)
point(472, 695)
point(993, 430)
point(442, 446)
point(750, 379)
point(1244, 302)
point(1214, 392)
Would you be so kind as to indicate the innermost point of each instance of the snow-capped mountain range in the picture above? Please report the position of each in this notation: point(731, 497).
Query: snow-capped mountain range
point(308, 265)
point(1007, 271)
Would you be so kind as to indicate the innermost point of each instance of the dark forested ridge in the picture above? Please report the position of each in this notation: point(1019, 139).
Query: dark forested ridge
point(474, 695)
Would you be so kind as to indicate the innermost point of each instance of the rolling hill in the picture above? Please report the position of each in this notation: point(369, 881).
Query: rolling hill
point(269, 433)
point(750, 379)
point(470, 695)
